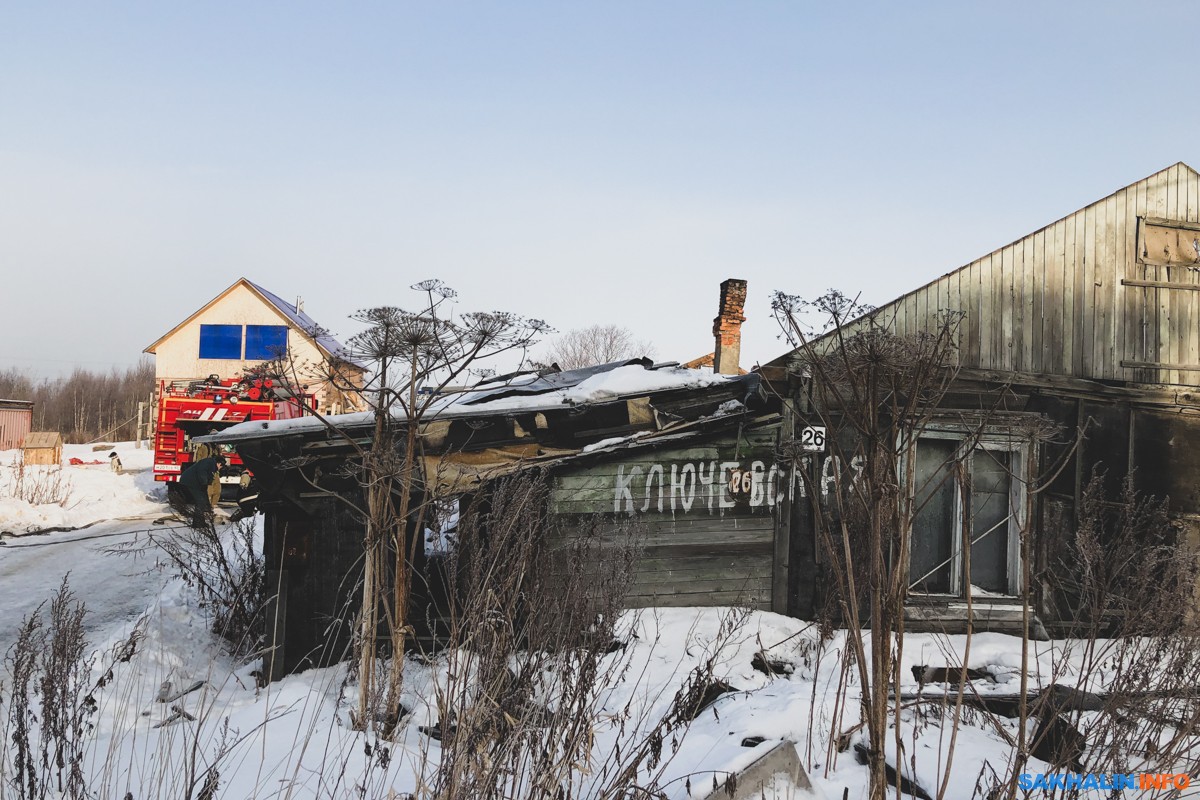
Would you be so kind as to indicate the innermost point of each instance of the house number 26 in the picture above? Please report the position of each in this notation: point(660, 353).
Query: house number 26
point(812, 439)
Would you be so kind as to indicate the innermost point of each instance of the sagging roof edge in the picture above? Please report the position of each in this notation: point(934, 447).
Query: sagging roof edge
point(364, 420)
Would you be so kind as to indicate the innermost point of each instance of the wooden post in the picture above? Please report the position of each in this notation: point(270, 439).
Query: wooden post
point(151, 418)
point(140, 431)
point(782, 572)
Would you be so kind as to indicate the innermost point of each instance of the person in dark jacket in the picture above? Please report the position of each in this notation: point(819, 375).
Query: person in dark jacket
point(195, 481)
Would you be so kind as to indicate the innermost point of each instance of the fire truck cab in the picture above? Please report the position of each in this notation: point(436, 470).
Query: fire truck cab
point(187, 409)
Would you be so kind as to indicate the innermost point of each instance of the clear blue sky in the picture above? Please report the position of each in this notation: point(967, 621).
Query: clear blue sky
point(578, 162)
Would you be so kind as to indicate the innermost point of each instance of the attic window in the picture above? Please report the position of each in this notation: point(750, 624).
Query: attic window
point(221, 341)
point(1168, 243)
point(264, 342)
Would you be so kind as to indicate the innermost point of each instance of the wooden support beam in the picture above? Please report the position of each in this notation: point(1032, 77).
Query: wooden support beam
point(1160, 365)
point(1194, 287)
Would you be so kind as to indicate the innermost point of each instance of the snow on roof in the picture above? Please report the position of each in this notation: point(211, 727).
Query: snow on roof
point(526, 392)
point(309, 325)
point(588, 385)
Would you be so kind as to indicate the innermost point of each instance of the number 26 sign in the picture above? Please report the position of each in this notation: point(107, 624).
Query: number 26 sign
point(812, 438)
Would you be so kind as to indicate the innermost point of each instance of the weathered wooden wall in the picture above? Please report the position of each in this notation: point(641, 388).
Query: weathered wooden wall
point(1082, 297)
point(313, 567)
point(702, 544)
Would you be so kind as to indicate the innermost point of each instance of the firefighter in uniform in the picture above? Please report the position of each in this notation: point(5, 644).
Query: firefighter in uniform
point(201, 484)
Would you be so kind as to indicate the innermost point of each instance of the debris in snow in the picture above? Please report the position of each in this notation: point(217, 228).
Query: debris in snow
point(702, 696)
point(1058, 742)
point(925, 674)
point(776, 772)
point(172, 698)
point(771, 666)
point(907, 786)
point(436, 733)
point(177, 714)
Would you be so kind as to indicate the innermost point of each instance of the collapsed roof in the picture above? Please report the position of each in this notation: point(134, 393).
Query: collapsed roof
point(524, 419)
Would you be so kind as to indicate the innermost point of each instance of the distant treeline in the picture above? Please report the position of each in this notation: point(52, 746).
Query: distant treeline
point(83, 405)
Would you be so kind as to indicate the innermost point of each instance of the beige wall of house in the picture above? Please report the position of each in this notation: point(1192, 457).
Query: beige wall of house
point(177, 356)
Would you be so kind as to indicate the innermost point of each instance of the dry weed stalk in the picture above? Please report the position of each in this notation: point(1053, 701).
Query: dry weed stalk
point(47, 717)
point(38, 485)
point(225, 566)
point(532, 653)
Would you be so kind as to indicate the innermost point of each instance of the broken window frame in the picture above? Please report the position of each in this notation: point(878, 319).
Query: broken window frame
point(1185, 258)
point(1020, 449)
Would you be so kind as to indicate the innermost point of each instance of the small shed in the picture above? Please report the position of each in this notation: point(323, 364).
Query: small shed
point(16, 418)
point(43, 448)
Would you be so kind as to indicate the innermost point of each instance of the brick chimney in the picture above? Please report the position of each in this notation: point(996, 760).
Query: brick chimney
point(727, 327)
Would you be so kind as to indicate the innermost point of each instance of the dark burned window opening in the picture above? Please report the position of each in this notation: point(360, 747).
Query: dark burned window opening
point(978, 481)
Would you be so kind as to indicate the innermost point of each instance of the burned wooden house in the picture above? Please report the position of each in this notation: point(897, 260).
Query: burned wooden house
point(1092, 324)
point(689, 453)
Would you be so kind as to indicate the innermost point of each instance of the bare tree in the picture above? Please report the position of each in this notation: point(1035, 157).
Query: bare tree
point(83, 405)
point(595, 344)
point(876, 397)
point(418, 357)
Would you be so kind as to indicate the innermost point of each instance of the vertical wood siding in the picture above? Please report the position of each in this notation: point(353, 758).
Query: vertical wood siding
point(1054, 302)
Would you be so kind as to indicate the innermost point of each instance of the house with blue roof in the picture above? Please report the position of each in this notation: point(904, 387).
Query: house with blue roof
point(245, 326)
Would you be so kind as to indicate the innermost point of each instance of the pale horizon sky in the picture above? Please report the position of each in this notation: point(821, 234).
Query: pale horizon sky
point(580, 163)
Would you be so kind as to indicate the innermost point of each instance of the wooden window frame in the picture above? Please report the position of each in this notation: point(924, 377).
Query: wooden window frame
point(1018, 502)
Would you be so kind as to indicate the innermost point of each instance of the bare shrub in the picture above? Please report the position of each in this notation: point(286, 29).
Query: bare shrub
point(38, 485)
point(533, 650)
point(1122, 570)
point(225, 566)
point(49, 705)
point(419, 357)
point(1128, 580)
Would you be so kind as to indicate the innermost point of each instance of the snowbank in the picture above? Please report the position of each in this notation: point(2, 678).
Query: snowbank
point(294, 737)
point(91, 492)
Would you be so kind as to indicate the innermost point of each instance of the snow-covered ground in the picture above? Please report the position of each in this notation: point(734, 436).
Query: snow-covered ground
point(117, 590)
point(293, 738)
point(100, 510)
point(90, 492)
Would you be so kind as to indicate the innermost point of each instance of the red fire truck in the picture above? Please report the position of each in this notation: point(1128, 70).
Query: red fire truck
point(196, 408)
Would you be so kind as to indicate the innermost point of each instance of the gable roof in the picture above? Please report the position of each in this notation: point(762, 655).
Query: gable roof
point(1042, 229)
point(1011, 327)
point(295, 318)
point(39, 439)
point(305, 323)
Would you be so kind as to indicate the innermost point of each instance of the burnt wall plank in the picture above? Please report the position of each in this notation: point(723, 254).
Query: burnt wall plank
point(1105, 449)
point(1166, 457)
